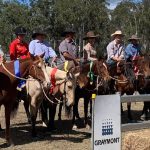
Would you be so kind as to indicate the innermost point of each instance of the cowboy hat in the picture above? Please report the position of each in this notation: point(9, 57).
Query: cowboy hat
point(134, 37)
point(90, 34)
point(38, 32)
point(67, 31)
point(118, 32)
point(20, 31)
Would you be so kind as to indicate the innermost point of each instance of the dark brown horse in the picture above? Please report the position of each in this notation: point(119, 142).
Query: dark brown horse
point(143, 64)
point(92, 79)
point(8, 83)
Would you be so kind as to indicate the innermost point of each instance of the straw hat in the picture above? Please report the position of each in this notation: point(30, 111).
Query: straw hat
point(118, 32)
point(134, 37)
point(90, 34)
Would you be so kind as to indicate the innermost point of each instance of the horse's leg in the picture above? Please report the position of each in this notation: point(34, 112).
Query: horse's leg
point(60, 109)
point(75, 112)
point(0, 120)
point(52, 112)
point(26, 107)
point(7, 121)
point(129, 111)
point(144, 115)
point(86, 102)
point(44, 108)
point(33, 110)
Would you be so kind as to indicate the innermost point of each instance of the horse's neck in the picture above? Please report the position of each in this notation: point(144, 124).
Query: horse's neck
point(24, 67)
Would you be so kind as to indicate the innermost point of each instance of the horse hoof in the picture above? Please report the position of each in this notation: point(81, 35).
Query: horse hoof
point(59, 118)
point(1, 129)
point(74, 127)
point(10, 144)
point(44, 124)
point(88, 127)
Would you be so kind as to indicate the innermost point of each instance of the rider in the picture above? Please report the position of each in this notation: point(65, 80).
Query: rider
point(18, 49)
point(133, 51)
point(68, 48)
point(115, 51)
point(39, 47)
point(89, 52)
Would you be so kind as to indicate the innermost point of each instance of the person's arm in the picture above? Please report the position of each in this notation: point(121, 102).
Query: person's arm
point(128, 52)
point(12, 51)
point(110, 52)
point(32, 49)
point(89, 57)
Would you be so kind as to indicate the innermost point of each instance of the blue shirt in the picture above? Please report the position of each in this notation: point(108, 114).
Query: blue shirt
point(132, 50)
point(37, 48)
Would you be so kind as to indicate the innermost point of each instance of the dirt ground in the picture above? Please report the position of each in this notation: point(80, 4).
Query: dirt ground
point(63, 139)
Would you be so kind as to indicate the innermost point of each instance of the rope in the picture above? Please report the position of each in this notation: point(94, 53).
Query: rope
point(120, 81)
point(49, 98)
point(14, 75)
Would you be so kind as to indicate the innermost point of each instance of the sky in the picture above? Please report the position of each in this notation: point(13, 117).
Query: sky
point(113, 3)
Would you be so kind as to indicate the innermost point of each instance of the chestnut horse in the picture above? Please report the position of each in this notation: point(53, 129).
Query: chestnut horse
point(8, 83)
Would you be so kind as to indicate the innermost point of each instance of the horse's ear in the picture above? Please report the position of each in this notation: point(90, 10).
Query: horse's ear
point(42, 55)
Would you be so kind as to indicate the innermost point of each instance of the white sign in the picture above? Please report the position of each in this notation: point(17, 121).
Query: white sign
point(107, 123)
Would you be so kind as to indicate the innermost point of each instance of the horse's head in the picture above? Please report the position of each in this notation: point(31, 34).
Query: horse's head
point(101, 69)
point(143, 64)
point(68, 88)
point(38, 70)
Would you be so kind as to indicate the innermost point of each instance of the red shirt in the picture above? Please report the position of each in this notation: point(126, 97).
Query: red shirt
point(18, 49)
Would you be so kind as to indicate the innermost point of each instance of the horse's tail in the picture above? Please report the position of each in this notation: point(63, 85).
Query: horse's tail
point(14, 108)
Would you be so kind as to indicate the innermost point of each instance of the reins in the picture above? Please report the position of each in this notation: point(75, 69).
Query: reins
point(15, 75)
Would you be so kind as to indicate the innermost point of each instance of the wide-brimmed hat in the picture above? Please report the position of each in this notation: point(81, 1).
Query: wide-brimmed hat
point(67, 31)
point(89, 35)
point(118, 32)
point(38, 32)
point(134, 37)
point(20, 31)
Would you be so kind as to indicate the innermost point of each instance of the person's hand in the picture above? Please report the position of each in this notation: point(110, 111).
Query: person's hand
point(77, 60)
point(76, 63)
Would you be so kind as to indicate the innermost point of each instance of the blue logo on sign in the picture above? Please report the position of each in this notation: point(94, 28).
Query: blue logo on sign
point(107, 127)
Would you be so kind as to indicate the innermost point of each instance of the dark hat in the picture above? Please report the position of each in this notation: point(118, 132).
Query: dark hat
point(67, 31)
point(89, 35)
point(133, 37)
point(20, 31)
point(38, 32)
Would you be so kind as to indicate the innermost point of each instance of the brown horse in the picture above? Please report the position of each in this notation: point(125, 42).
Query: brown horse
point(8, 83)
point(92, 79)
point(143, 64)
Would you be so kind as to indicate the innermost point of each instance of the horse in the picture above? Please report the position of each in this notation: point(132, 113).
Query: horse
point(143, 64)
point(125, 82)
point(8, 83)
point(91, 80)
point(64, 86)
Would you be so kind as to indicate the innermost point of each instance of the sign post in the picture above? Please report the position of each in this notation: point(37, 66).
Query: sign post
point(106, 123)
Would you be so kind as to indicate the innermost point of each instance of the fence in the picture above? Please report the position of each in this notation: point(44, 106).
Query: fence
point(135, 98)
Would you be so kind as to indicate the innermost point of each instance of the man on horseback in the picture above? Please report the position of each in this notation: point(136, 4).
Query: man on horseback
point(18, 49)
point(115, 51)
point(67, 48)
point(39, 47)
point(133, 51)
